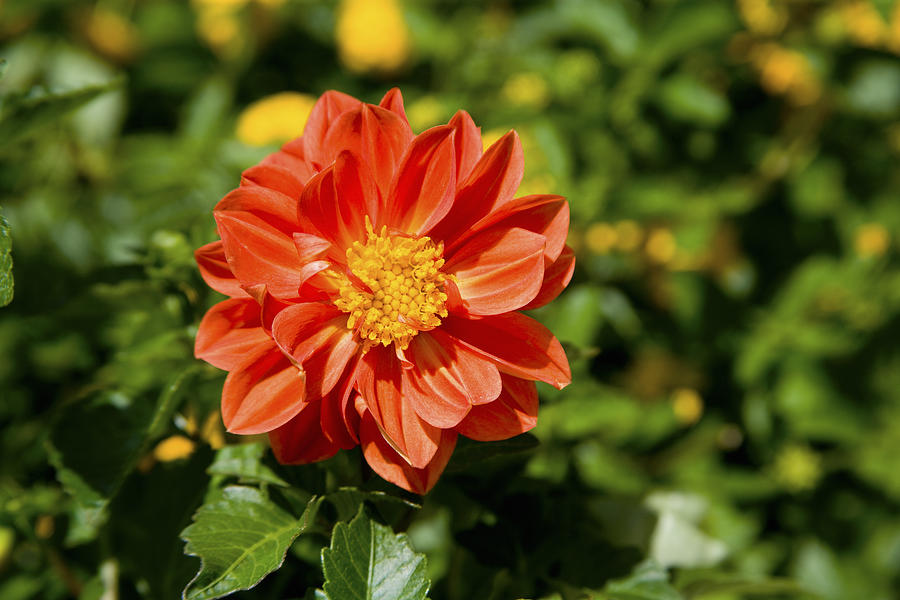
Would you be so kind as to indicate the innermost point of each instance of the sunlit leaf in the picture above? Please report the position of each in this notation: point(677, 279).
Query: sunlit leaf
point(368, 561)
point(244, 461)
point(240, 536)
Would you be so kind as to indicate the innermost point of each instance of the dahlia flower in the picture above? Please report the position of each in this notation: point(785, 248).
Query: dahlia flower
point(375, 279)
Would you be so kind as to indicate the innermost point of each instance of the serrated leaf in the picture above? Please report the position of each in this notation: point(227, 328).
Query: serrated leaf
point(244, 461)
point(6, 265)
point(240, 537)
point(648, 582)
point(23, 114)
point(368, 561)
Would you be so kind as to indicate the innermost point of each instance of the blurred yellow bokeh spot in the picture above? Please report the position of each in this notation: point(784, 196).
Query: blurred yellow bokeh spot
point(687, 405)
point(798, 468)
point(172, 448)
point(112, 35)
point(274, 119)
point(872, 239)
point(600, 238)
point(661, 246)
point(526, 89)
point(372, 35)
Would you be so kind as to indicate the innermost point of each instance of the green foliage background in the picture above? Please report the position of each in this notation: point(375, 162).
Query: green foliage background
point(733, 428)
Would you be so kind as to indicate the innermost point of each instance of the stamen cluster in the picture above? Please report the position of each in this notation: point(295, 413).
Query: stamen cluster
point(402, 289)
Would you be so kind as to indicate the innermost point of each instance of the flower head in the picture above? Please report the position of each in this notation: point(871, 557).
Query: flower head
point(375, 279)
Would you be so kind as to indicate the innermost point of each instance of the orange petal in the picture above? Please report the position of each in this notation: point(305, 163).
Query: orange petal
point(260, 254)
point(499, 270)
point(215, 270)
point(228, 331)
point(423, 189)
point(385, 461)
point(517, 344)
point(374, 134)
point(301, 440)
point(491, 184)
point(322, 118)
point(557, 276)
point(275, 177)
point(544, 214)
point(512, 413)
point(393, 101)
point(467, 144)
point(447, 379)
point(255, 202)
point(338, 217)
point(356, 189)
point(340, 421)
point(379, 383)
point(315, 336)
point(263, 392)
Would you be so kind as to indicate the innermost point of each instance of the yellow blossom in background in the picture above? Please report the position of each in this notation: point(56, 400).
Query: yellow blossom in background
point(600, 238)
point(687, 405)
point(539, 183)
point(661, 246)
point(7, 541)
point(372, 35)
point(425, 112)
point(864, 23)
point(213, 432)
point(798, 468)
point(893, 33)
point(112, 35)
point(763, 16)
point(173, 448)
point(786, 72)
point(871, 239)
point(629, 235)
point(526, 89)
point(218, 24)
point(274, 119)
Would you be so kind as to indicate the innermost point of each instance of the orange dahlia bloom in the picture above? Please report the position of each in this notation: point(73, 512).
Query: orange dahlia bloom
point(374, 280)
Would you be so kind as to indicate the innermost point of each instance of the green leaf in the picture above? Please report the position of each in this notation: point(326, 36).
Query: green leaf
point(149, 513)
point(96, 443)
point(368, 561)
point(647, 582)
point(347, 500)
point(244, 461)
point(723, 585)
point(240, 537)
point(686, 98)
point(469, 453)
point(6, 265)
point(22, 114)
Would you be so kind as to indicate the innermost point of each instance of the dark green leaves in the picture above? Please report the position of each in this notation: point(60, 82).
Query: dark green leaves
point(647, 582)
point(367, 561)
point(96, 443)
point(6, 274)
point(240, 536)
point(244, 462)
point(20, 115)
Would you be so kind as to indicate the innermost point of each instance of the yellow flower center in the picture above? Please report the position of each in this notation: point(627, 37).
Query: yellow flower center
point(402, 287)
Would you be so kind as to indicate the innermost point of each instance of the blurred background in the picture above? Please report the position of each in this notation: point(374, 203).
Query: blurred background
point(732, 170)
